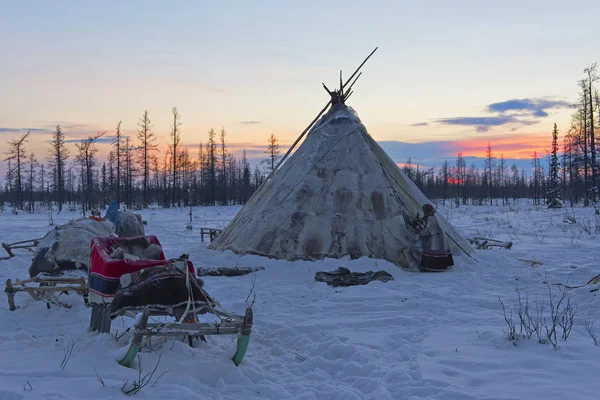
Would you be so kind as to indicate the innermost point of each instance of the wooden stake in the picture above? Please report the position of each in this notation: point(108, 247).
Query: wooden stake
point(10, 293)
point(318, 116)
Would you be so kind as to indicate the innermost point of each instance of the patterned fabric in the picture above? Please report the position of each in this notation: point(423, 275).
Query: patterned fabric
point(161, 287)
point(106, 272)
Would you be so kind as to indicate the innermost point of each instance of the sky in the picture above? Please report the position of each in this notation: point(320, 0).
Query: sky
point(449, 76)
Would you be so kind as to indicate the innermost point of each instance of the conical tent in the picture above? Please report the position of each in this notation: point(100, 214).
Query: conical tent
point(338, 195)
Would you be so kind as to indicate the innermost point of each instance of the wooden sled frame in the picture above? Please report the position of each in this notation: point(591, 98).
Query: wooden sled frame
point(46, 289)
point(211, 232)
point(486, 243)
point(24, 244)
point(232, 325)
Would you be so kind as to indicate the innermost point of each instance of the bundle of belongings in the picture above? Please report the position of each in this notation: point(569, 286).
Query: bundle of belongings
point(129, 273)
point(344, 277)
point(68, 246)
point(126, 224)
point(163, 288)
point(131, 276)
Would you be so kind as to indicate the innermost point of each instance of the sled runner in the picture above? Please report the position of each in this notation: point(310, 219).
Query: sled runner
point(143, 288)
point(47, 290)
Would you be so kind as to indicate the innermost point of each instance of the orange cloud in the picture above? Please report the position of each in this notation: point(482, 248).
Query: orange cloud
point(513, 146)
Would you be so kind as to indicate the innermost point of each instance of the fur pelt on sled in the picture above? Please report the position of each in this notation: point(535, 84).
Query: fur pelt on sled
point(161, 288)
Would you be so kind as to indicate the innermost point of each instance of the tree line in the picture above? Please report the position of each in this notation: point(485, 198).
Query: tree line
point(567, 174)
point(136, 174)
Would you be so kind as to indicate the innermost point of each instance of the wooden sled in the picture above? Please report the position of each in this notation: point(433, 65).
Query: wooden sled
point(211, 232)
point(230, 324)
point(486, 243)
point(46, 289)
point(24, 244)
point(237, 325)
point(106, 277)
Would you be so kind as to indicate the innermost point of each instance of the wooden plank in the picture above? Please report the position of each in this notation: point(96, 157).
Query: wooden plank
point(49, 289)
point(230, 330)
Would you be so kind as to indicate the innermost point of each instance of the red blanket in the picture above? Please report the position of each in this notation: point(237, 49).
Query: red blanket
point(106, 271)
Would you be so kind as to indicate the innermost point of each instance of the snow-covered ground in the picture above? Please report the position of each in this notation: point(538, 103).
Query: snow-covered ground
point(433, 336)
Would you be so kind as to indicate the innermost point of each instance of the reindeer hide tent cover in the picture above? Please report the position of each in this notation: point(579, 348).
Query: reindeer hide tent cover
point(338, 195)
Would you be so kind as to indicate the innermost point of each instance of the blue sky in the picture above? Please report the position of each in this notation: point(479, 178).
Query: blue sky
point(445, 71)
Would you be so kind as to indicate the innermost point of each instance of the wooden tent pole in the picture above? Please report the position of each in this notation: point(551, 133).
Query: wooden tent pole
point(297, 140)
point(319, 116)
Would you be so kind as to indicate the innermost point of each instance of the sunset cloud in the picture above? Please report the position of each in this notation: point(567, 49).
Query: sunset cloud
point(103, 139)
point(537, 107)
point(24, 130)
point(513, 113)
point(483, 124)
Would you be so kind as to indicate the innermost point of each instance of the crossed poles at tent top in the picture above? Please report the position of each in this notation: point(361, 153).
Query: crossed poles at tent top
point(338, 96)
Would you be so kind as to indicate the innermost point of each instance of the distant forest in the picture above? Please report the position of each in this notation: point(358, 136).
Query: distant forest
point(136, 174)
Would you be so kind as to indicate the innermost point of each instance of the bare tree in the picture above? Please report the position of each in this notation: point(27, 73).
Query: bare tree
point(117, 144)
point(86, 152)
point(211, 166)
point(175, 141)
point(489, 167)
point(223, 172)
point(58, 154)
point(591, 78)
point(245, 178)
point(272, 152)
point(17, 153)
point(201, 171)
point(32, 165)
point(129, 170)
point(147, 145)
point(445, 178)
point(111, 175)
point(584, 137)
point(502, 180)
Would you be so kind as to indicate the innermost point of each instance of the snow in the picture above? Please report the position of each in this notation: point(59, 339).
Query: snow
point(421, 336)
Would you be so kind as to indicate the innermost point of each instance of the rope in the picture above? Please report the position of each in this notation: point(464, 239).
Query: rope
point(188, 285)
point(191, 303)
